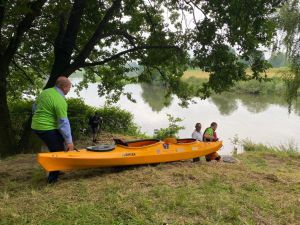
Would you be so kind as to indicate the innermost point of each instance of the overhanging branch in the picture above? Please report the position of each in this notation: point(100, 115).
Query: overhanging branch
point(110, 13)
point(72, 29)
point(118, 55)
point(23, 26)
point(23, 72)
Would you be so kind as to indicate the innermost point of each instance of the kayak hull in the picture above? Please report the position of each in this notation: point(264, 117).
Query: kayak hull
point(158, 152)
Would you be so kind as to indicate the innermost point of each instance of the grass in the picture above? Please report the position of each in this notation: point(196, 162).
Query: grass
point(273, 86)
point(272, 72)
point(264, 188)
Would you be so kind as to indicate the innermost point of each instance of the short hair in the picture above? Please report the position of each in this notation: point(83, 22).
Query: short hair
point(213, 124)
point(197, 124)
point(62, 81)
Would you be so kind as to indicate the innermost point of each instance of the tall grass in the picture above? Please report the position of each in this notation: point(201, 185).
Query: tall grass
point(290, 148)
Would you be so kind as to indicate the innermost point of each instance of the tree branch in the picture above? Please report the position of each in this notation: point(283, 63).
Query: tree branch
point(36, 68)
point(23, 26)
point(97, 34)
point(23, 71)
point(60, 34)
point(124, 33)
point(118, 55)
point(196, 6)
point(70, 35)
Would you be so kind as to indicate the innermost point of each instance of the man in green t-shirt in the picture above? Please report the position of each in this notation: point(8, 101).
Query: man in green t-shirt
point(50, 120)
point(211, 135)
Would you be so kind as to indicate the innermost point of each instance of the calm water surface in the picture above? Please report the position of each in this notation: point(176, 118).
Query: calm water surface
point(256, 118)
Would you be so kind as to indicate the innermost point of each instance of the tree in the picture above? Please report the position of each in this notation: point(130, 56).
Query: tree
point(101, 37)
point(289, 24)
point(11, 38)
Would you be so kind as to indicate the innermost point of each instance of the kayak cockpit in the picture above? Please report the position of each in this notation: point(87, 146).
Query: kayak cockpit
point(179, 140)
point(139, 143)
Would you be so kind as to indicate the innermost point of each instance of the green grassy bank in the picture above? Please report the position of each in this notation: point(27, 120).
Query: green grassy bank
point(263, 188)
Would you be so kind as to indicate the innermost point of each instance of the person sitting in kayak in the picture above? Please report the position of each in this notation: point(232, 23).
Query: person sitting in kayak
point(211, 135)
point(197, 134)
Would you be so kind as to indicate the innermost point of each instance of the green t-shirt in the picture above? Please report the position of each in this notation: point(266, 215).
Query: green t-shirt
point(209, 131)
point(50, 106)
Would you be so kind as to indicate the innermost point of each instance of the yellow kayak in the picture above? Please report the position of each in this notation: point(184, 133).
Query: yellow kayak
point(128, 153)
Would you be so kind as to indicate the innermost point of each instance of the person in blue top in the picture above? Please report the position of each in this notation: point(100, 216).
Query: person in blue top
point(50, 120)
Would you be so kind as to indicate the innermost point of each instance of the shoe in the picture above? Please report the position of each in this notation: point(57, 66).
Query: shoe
point(60, 173)
point(196, 159)
point(51, 180)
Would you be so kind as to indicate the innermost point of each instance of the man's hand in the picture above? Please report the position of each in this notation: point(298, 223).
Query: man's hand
point(70, 147)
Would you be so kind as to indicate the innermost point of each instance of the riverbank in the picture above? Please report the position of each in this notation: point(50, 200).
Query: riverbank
point(263, 188)
point(272, 72)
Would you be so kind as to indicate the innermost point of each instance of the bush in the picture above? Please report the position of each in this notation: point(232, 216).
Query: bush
point(20, 112)
point(114, 119)
point(78, 114)
point(170, 131)
point(117, 120)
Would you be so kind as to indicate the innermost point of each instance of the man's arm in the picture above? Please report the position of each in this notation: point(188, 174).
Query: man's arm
point(65, 129)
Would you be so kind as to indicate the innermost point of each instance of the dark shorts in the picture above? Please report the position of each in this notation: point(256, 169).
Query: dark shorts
point(95, 129)
point(52, 138)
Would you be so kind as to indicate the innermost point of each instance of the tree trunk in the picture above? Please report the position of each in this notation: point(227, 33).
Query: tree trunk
point(29, 142)
point(7, 142)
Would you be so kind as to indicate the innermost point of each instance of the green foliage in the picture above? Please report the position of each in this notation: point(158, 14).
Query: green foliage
point(78, 114)
point(171, 131)
point(117, 120)
point(20, 111)
point(114, 119)
point(149, 42)
point(270, 86)
point(289, 23)
point(103, 37)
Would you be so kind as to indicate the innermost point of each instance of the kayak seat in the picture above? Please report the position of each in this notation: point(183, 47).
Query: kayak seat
point(120, 142)
point(101, 148)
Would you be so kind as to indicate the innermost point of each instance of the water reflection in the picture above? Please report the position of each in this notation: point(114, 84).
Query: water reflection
point(155, 96)
point(227, 102)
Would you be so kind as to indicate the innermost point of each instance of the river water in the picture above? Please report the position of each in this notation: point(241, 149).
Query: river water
point(260, 119)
